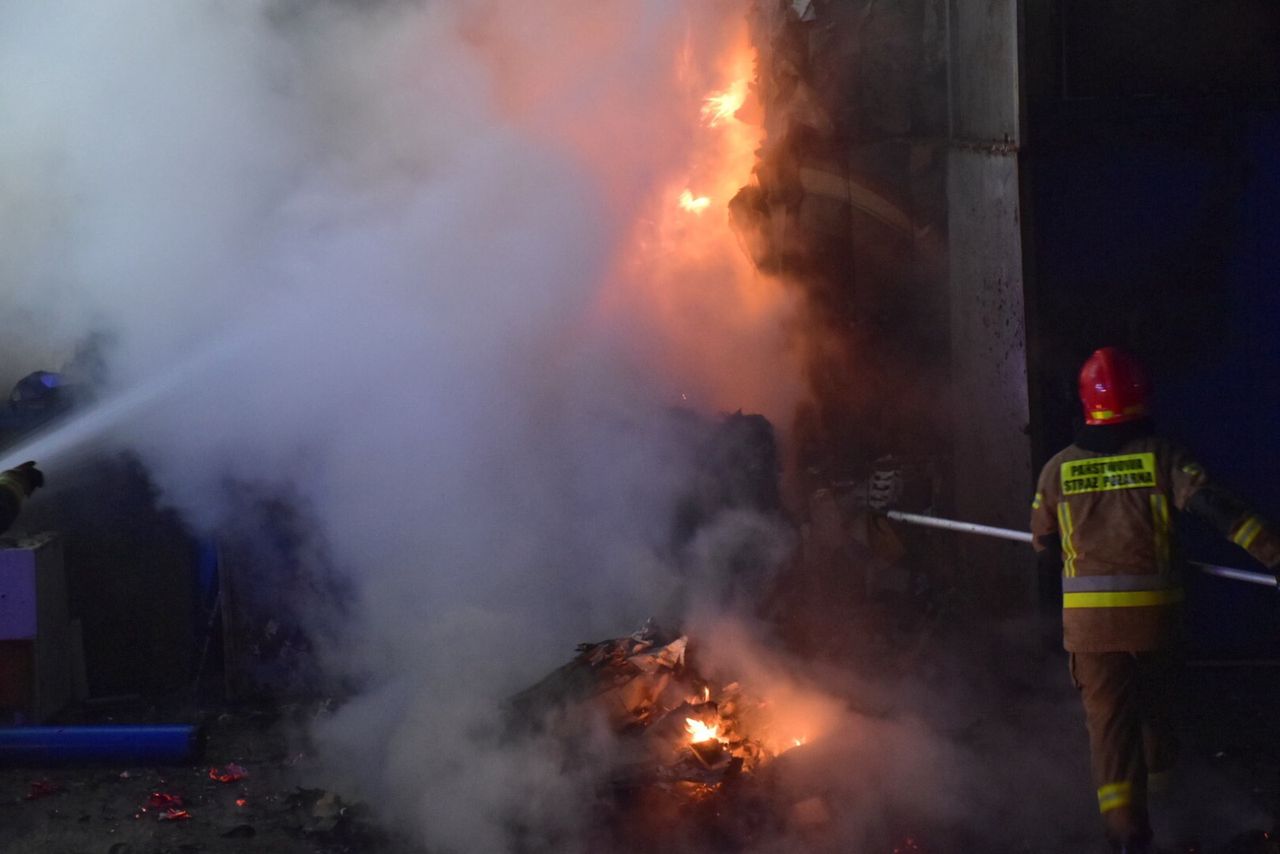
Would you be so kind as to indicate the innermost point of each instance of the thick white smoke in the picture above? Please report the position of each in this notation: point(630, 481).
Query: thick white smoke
point(406, 263)
point(406, 232)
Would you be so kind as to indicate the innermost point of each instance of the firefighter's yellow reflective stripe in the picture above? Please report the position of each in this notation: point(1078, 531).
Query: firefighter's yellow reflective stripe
point(1123, 598)
point(1163, 532)
point(11, 483)
point(1115, 795)
point(1192, 469)
point(1104, 474)
point(1068, 547)
point(1037, 502)
point(1247, 532)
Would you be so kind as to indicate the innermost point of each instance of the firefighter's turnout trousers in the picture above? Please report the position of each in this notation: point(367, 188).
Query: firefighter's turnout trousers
point(1128, 705)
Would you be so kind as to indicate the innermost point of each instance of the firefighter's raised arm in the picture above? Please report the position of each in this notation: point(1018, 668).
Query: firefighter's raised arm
point(1225, 513)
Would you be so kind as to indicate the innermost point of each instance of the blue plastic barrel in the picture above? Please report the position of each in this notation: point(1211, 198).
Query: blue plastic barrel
point(164, 744)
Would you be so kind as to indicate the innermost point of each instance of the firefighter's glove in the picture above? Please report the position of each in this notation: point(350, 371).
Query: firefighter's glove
point(27, 476)
point(884, 489)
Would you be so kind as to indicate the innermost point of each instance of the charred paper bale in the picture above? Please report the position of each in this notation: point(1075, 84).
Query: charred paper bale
point(626, 678)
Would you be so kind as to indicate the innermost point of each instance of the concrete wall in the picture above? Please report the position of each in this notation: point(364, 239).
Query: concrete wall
point(891, 169)
point(992, 469)
point(984, 71)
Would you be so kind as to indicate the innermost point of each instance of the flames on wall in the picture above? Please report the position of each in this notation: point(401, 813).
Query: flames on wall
point(722, 325)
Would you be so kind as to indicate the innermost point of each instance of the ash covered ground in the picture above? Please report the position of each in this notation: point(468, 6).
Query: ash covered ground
point(1225, 802)
point(107, 808)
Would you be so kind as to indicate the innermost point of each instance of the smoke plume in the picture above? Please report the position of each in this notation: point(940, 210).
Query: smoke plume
point(419, 268)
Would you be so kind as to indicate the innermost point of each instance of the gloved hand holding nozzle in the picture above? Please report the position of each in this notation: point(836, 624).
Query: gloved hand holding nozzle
point(26, 477)
point(17, 484)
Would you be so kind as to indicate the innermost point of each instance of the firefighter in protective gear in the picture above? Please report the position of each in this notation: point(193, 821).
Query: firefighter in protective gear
point(1105, 505)
point(16, 485)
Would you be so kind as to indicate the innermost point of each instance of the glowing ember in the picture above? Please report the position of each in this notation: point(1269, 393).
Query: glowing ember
point(232, 773)
point(242, 802)
point(694, 204)
point(799, 742)
point(164, 801)
point(700, 732)
point(722, 106)
point(706, 693)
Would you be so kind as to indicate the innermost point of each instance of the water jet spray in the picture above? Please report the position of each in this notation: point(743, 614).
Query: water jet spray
point(54, 442)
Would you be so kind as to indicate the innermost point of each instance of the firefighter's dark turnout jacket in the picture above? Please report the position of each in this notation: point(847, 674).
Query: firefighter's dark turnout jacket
point(1110, 510)
point(1108, 503)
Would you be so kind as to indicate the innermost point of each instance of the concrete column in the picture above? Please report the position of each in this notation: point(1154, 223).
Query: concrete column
point(992, 477)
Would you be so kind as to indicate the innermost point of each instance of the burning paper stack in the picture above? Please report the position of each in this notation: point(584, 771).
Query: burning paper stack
point(679, 732)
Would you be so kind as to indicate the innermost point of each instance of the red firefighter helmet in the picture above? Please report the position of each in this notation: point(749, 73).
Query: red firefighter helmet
point(1113, 387)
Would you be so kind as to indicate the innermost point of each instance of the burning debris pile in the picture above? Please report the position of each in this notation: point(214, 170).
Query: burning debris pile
point(685, 739)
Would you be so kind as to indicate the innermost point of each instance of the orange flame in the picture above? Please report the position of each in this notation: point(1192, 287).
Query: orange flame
point(700, 732)
point(694, 204)
point(719, 107)
point(667, 157)
point(681, 288)
point(687, 275)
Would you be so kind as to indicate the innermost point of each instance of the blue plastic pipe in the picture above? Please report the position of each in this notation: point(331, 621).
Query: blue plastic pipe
point(165, 744)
